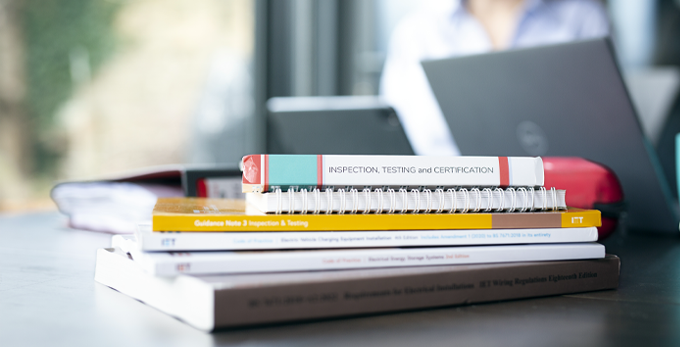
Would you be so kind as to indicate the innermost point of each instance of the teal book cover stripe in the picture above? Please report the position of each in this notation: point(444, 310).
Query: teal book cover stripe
point(287, 170)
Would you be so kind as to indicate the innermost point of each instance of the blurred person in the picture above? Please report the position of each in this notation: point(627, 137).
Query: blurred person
point(461, 27)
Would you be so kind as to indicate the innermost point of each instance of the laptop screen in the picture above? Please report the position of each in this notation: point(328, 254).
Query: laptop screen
point(559, 100)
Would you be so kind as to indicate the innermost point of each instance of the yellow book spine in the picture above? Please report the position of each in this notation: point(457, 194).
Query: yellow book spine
point(298, 222)
point(348, 222)
point(576, 218)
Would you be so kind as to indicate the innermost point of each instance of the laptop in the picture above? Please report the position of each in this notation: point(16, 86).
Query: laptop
point(334, 125)
point(559, 100)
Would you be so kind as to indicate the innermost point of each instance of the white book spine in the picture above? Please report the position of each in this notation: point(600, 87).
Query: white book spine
point(215, 241)
point(196, 263)
point(341, 170)
point(262, 173)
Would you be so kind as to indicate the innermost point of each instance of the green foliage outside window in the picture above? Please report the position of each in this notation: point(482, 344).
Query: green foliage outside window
point(58, 33)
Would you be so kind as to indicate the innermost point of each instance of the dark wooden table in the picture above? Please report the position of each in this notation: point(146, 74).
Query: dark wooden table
point(48, 297)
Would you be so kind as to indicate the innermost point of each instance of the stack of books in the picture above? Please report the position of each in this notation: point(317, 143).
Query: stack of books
point(327, 236)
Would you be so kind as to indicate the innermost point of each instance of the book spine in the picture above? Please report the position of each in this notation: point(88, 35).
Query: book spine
point(174, 241)
point(262, 173)
point(352, 222)
point(197, 263)
point(376, 294)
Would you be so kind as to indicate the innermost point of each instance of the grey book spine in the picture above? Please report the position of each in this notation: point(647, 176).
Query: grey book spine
point(411, 289)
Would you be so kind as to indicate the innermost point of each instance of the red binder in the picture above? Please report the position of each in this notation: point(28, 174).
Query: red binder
point(588, 185)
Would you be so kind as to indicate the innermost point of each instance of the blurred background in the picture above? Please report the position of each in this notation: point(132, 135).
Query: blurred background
point(90, 88)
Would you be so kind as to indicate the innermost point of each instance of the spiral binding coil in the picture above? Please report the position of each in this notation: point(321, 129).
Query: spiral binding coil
point(329, 195)
point(440, 193)
point(342, 201)
point(380, 202)
point(428, 196)
point(489, 196)
point(304, 200)
point(478, 199)
point(290, 201)
point(317, 197)
point(514, 198)
point(393, 200)
point(454, 198)
point(522, 199)
point(404, 199)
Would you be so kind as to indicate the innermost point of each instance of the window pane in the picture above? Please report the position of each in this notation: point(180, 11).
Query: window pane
point(95, 87)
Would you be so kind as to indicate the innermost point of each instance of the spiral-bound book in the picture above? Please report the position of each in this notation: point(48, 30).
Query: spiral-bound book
point(451, 200)
point(263, 173)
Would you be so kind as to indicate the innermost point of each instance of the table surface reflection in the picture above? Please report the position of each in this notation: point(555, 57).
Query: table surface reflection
point(48, 297)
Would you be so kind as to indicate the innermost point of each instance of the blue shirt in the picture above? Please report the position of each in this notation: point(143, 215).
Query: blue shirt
point(449, 30)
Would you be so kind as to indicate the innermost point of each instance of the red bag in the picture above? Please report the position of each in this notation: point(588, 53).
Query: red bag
point(588, 185)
